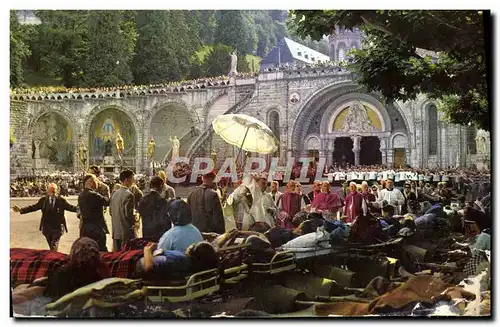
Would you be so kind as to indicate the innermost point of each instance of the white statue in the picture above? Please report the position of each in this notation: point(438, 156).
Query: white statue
point(37, 149)
point(234, 63)
point(175, 147)
point(481, 141)
point(357, 119)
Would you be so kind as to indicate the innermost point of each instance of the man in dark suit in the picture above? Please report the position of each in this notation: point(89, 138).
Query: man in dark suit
point(53, 222)
point(91, 206)
point(154, 211)
point(121, 208)
point(206, 209)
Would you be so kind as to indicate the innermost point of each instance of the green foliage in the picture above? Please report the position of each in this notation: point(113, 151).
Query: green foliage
point(19, 51)
point(218, 61)
point(232, 30)
point(111, 47)
point(391, 63)
point(82, 47)
point(165, 43)
point(60, 44)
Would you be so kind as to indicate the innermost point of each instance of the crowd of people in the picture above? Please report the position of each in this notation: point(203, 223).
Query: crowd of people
point(218, 208)
point(199, 83)
point(181, 237)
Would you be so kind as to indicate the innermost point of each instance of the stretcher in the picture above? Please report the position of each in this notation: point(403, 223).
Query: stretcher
point(280, 262)
point(195, 286)
point(235, 274)
point(320, 249)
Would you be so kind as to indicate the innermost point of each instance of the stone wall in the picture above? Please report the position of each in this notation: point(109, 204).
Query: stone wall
point(300, 98)
point(21, 152)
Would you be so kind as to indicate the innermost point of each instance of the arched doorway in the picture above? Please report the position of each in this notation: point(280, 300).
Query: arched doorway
point(274, 125)
point(171, 120)
point(370, 151)
point(52, 146)
point(343, 154)
point(104, 129)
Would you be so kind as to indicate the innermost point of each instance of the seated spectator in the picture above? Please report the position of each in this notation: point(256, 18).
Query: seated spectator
point(84, 267)
point(183, 234)
point(175, 264)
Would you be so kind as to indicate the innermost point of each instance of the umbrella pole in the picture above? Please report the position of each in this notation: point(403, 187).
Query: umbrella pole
point(241, 147)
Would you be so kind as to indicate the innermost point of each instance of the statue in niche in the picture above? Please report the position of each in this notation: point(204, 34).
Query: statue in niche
point(481, 140)
point(108, 148)
point(151, 148)
point(357, 119)
point(175, 147)
point(213, 155)
point(120, 145)
point(82, 152)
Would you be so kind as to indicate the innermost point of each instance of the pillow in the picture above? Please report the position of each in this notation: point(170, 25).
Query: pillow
point(309, 240)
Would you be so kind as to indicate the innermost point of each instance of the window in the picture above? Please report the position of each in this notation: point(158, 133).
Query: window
point(299, 53)
point(471, 141)
point(432, 118)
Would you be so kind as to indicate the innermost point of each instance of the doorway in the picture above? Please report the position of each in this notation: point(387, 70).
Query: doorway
point(399, 157)
point(342, 154)
point(314, 156)
point(370, 151)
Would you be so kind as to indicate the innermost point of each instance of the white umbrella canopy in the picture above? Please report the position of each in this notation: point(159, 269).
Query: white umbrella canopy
point(246, 132)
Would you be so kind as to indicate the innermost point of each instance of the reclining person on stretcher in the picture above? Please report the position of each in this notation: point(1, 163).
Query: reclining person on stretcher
point(176, 265)
point(181, 250)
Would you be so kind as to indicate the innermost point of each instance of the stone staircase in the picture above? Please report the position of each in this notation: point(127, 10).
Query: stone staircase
point(200, 146)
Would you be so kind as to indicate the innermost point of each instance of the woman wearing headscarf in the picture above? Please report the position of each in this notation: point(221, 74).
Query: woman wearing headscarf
point(83, 268)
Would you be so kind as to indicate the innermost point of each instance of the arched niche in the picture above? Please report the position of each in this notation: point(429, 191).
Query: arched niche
point(169, 121)
point(105, 127)
point(55, 137)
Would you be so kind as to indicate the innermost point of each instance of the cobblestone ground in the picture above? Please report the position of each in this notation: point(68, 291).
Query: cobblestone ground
point(24, 231)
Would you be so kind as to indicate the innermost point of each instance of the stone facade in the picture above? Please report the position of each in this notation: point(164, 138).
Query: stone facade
point(303, 102)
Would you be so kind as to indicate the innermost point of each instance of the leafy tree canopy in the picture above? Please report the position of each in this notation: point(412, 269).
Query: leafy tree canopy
point(406, 53)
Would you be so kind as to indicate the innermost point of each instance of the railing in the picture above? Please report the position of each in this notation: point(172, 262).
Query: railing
point(200, 141)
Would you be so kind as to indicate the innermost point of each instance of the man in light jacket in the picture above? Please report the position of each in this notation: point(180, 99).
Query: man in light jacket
point(121, 208)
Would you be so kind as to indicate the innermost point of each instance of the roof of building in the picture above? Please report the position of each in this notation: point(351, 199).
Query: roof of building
point(291, 50)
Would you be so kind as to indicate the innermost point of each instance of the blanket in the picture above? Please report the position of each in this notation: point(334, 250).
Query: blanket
point(417, 289)
point(26, 265)
point(109, 292)
point(122, 264)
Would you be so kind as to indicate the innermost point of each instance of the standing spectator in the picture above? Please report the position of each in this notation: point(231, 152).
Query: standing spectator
point(206, 209)
point(316, 190)
point(409, 196)
point(53, 222)
point(305, 201)
point(275, 193)
point(365, 191)
point(154, 211)
point(122, 211)
point(392, 195)
point(102, 188)
point(91, 204)
point(168, 191)
point(290, 205)
point(354, 204)
point(327, 202)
